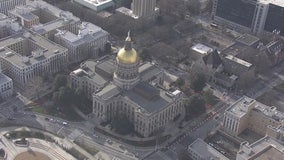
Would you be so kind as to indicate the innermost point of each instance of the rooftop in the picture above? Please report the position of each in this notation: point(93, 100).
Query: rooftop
point(245, 104)
point(270, 112)
point(275, 2)
point(91, 75)
point(148, 70)
point(206, 151)
point(149, 98)
point(107, 66)
point(239, 61)
point(97, 2)
point(241, 107)
point(47, 49)
point(34, 9)
point(248, 39)
point(108, 91)
point(24, 12)
point(263, 149)
point(212, 58)
point(126, 11)
point(87, 32)
point(202, 49)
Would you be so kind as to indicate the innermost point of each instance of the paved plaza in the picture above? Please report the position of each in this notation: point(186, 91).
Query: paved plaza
point(37, 149)
point(30, 155)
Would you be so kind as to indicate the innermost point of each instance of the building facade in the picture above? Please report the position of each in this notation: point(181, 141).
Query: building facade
point(27, 54)
point(6, 86)
point(247, 113)
point(252, 15)
point(143, 8)
point(6, 5)
point(132, 89)
point(88, 43)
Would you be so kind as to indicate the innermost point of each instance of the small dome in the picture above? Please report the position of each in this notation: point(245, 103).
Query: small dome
point(127, 56)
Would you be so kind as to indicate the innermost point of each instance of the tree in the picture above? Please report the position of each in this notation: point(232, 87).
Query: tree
point(108, 47)
point(179, 82)
point(195, 105)
point(198, 82)
point(193, 6)
point(208, 97)
point(64, 96)
point(183, 155)
point(59, 81)
point(144, 55)
point(121, 124)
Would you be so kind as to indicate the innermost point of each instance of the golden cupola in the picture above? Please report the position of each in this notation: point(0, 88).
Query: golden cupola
point(127, 54)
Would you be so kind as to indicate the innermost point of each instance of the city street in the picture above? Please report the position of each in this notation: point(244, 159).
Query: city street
point(73, 131)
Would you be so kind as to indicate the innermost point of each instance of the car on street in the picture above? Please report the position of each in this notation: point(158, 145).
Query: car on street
point(10, 118)
point(108, 141)
point(96, 136)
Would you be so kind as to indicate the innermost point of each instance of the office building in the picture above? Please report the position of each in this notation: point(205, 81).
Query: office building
point(26, 55)
point(6, 86)
point(7, 5)
point(266, 148)
point(143, 8)
point(44, 18)
point(251, 15)
point(247, 113)
point(88, 43)
point(140, 9)
point(96, 5)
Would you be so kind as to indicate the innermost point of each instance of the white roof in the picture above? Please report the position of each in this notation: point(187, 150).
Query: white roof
point(97, 2)
point(240, 61)
point(275, 2)
point(201, 48)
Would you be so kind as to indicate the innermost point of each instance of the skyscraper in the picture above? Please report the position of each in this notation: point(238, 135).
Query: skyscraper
point(252, 15)
point(143, 8)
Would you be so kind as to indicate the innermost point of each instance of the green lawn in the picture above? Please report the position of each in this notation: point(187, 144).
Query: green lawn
point(38, 109)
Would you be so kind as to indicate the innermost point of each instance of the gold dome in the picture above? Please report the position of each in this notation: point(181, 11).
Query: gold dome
point(127, 56)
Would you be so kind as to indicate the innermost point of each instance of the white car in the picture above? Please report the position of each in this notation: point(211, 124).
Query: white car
point(96, 136)
point(108, 141)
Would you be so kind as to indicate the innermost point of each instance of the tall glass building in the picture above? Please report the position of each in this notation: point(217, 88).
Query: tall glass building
point(252, 15)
